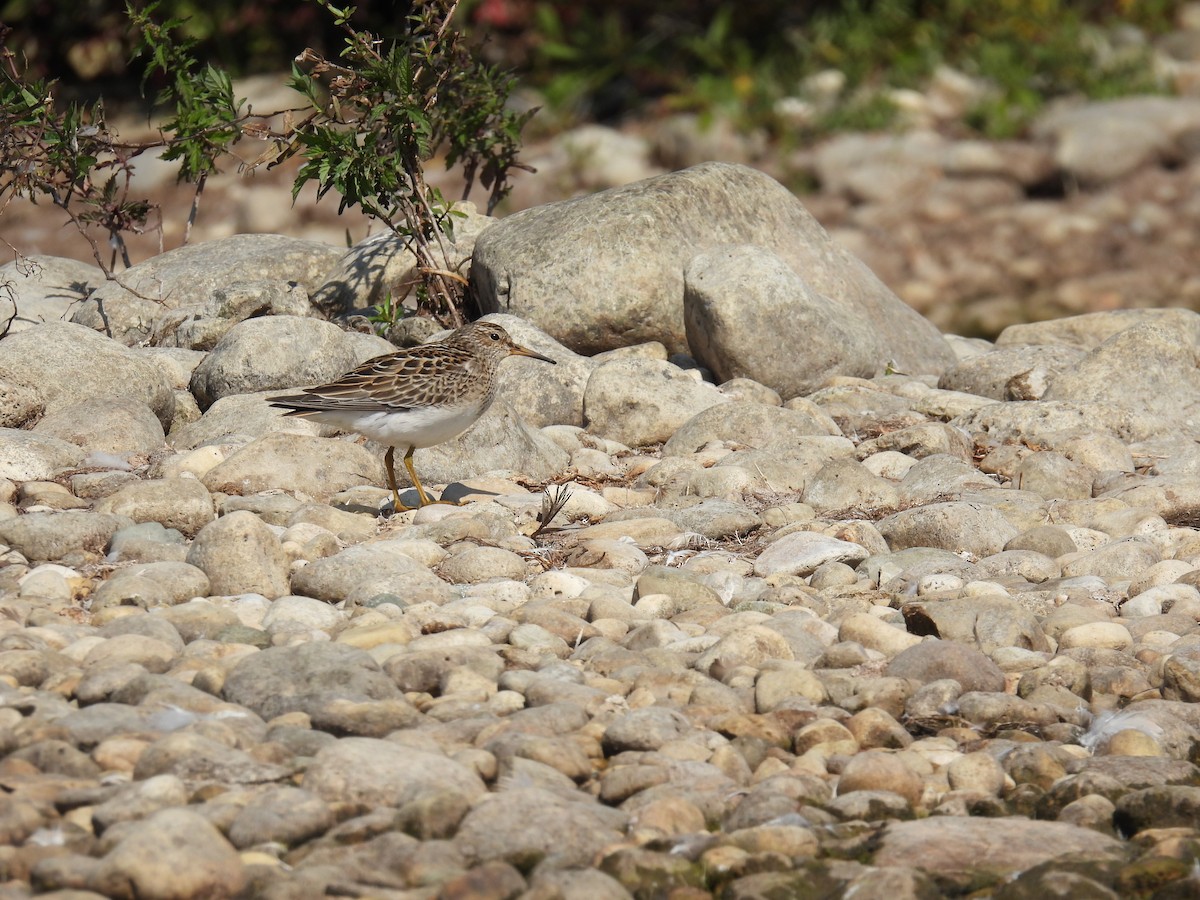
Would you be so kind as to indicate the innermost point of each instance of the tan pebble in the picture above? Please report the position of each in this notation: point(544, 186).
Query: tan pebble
point(119, 754)
point(976, 772)
point(769, 768)
point(45, 584)
point(824, 734)
point(666, 817)
point(260, 858)
point(875, 634)
point(373, 635)
point(875, 728)
point(81, 818)
point(1097, 635)
point(197, 462)
point(1132, 742)
point(723, 860)
point(876, 770)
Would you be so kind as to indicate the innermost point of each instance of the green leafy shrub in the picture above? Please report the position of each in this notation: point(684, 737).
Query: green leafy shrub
point(377, 117)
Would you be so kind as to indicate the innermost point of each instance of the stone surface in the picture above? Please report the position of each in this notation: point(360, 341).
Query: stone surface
point(62, 364)
point(186, 276)
point(519, 265)
point(272, 353)
point(748, 313)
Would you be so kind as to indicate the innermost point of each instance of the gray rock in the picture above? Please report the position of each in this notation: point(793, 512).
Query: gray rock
point(50, 536)
point(527, 263)
point(845, 485)
point(989, 622)
point(859, 406)
point(750, 646)
point(363, 572)
point(281, 814)
point(1115, 560)
point(241, 416)
point(1135, 132)
point(962, 850)
point(25, 456)
point(240, 554)
point(46, 288)
point(1148, 368)
point(300, 615)
point(368, 770)
point(1090, 330)
point(147, 542)
point(202, 326)
point(990, 374)
point(106, 425)
point(1172, 496)
point(172, 853)
point(63, 364)
point(305, 678)
point(187, 276)
point(430, 671)
point(200, 760)
point(645, 729)
point(931, 661)
point(129, 590)
point(876, 770)
point(270, 353)
point(876, 168)
point(803, 552)
point(955, 525)
point(922, 440)
point(643, 401)
point(474, 565)
point(139, 800)
point(1054, 477)
point(1039, 422)
point(318, 467)
point(748, 314)
point(1049, 540)
point(757, 425)
point(1030, 565)
point(180, 503)
point(940, 477)
point(577, 884)
point(198, 618)
point(684, 587)
point(526, 825)
point(715, 519)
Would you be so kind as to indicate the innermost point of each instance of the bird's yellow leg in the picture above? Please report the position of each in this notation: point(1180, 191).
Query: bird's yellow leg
point(397, 506)
point(408, 464)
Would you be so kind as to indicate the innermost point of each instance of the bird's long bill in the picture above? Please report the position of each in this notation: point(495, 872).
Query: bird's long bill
point(525, 351)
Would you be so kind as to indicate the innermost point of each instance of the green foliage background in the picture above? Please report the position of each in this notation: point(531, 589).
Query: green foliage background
point(604, 59)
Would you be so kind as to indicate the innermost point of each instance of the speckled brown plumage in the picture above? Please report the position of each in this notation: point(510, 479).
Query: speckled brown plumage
point(416, 397)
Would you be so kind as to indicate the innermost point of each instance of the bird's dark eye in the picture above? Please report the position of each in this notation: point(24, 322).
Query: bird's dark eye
point(495, 337)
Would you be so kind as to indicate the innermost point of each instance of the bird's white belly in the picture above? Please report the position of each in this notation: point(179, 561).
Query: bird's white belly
point(418, 427)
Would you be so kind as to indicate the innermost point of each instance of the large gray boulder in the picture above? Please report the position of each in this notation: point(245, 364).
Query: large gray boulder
point(607, 270)
point(49, 367)
point(1149, 369)
point(45, 289)
point(127, 307)
point(272, 353)
point(748, 314)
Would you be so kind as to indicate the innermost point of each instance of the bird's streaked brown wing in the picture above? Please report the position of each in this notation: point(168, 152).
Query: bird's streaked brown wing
point(410, 378)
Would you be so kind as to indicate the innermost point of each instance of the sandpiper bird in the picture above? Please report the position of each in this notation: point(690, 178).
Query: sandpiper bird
point(416, 397)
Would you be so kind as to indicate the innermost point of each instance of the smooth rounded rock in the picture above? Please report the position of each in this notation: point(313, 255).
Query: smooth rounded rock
point(240, 555)
point(172, 854)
